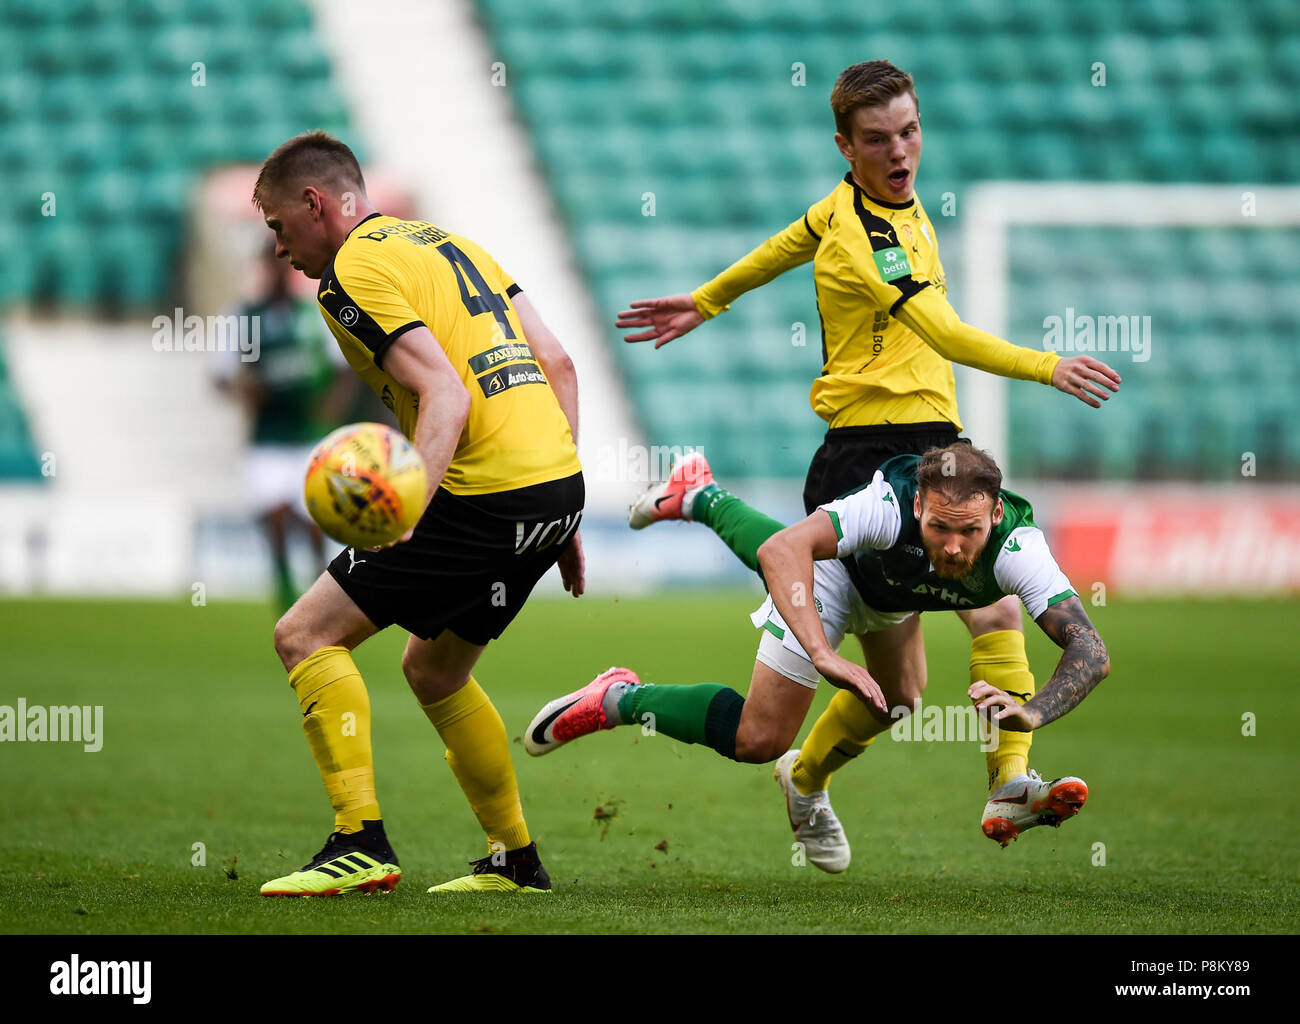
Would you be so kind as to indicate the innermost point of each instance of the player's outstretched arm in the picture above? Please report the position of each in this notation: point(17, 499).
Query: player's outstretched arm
point(1084, 663)
point(558, 367)
point(931, 317)
point(786, 559)
point(674, 315)
point(1085, 378)
point(665, 319)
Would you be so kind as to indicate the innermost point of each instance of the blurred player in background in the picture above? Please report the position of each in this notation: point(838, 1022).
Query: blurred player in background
point(489, 398)
point(295, 392)
point(886, 387)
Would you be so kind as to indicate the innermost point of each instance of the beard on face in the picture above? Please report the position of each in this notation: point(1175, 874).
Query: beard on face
point(946, 568)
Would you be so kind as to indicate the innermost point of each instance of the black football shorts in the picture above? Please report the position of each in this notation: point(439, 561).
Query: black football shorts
point(850, 456)
point(471, 563)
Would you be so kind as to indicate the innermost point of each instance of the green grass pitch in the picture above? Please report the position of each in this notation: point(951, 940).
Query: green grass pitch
point(202, 745)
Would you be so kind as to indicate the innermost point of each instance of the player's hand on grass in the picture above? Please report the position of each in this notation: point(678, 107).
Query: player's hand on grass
point(573, 567)
point(849, 675)
point(1086, 379)
point(1004, 710)
point(666, 318)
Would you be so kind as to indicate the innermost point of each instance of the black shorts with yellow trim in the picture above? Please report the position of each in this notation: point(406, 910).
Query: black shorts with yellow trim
point(471, 563)
point(850, 456)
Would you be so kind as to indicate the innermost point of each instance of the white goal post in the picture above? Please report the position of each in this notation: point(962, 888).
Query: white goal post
point(993, 208)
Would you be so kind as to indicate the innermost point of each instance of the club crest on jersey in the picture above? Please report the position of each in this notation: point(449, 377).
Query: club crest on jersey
point(973, 580)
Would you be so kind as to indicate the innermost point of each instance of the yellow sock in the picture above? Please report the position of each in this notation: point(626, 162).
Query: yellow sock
point(844, 730)
point(336, 719)
point(999, 659)
point(479, 754)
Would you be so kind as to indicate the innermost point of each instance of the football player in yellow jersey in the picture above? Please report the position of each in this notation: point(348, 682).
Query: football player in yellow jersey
point(489, 398)
point(886, 387)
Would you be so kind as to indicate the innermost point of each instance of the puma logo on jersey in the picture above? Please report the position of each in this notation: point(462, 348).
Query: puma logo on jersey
point(328, 291)
point(1013, 544)
point(354, 560)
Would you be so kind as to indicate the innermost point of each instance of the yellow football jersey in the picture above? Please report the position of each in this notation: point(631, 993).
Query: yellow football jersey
point(392, 275)
point(888, 330)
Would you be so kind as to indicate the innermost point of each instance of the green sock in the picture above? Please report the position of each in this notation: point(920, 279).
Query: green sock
point(705, 713)
point(741, 528)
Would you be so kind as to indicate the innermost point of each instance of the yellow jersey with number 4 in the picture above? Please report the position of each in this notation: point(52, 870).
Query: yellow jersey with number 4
point(392, 275)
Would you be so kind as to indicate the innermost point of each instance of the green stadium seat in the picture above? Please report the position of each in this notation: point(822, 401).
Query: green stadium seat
point(130, 98)
point(149, 14)
point(208, 13)
point(281, 14)
point(98, 14)
point(136, 258)
point(107, 49)
point(302, 58)
point(66, 102)
point(27, 16)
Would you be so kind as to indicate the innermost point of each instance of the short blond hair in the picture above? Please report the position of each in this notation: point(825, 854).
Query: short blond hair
point(313, 158)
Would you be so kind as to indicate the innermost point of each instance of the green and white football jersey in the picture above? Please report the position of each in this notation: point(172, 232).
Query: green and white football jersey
point(880, 545)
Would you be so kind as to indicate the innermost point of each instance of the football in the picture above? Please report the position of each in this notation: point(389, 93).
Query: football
point(366, 485)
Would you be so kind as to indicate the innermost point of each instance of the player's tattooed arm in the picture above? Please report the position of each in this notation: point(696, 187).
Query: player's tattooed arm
point(1084, 663)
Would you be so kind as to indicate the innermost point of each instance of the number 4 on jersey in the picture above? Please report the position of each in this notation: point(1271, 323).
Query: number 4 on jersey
point(486, 300)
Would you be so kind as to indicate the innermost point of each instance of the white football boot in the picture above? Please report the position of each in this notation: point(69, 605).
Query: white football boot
point(814, 823)
point(667, 500)
point(1027, 801)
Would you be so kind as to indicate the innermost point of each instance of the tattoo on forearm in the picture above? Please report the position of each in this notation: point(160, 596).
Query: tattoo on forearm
point(1084, 661)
